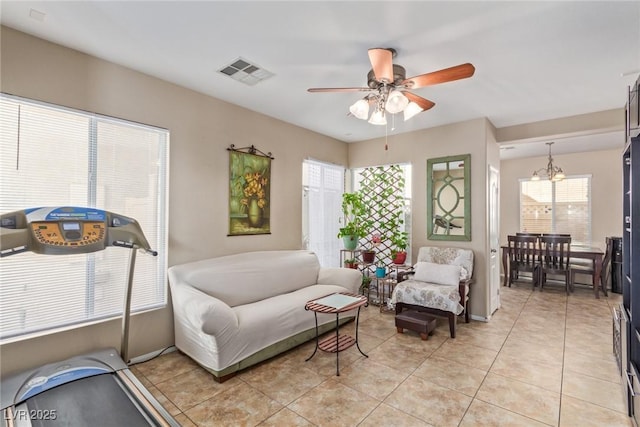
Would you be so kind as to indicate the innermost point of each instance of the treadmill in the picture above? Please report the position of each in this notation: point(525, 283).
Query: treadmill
point(94, 389)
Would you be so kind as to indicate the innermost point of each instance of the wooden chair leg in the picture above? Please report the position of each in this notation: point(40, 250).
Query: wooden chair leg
point(452, 323)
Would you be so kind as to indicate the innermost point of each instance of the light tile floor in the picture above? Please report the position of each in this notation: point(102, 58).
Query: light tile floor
point(543, 359)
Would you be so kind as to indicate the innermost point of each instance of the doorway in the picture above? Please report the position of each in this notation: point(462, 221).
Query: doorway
point(494, 239)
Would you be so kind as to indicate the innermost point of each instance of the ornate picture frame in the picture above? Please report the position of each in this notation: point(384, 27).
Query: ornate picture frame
point(249, 191)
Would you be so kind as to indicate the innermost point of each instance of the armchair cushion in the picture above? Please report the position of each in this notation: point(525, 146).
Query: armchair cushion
point(450, 256)
point(424, 294)
point(440, 274)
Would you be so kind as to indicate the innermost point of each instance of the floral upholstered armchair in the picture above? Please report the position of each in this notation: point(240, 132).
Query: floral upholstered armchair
point(439, 284)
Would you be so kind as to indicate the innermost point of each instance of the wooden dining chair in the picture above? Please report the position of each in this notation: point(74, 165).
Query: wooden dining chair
point(522, 257)
point(588, 268)
point(555, 259)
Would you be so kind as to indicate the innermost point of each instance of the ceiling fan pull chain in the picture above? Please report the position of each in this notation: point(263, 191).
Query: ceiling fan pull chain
point(386, 137)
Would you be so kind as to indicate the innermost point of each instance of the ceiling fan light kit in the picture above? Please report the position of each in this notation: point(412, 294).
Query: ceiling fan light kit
point(388, 87)
point(411, 110)
point(378, 118)
point(396, 102)
point(360, 109)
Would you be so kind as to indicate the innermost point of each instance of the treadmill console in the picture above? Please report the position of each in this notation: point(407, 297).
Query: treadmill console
point(67, 230)
point(69, 233)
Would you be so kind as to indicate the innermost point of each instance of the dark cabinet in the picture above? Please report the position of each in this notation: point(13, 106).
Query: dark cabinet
point(633, 112)
point(630, 274)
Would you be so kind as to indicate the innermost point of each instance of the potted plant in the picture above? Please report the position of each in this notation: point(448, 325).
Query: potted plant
point(350, 263)
point(381, 269)
point(399, 240)
point(369, 255)
point(366, 281)
point(356, 220)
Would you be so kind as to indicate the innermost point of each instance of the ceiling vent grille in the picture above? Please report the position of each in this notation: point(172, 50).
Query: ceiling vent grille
point(245, 72)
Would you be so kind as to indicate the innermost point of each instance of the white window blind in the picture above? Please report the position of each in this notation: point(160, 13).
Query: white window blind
point(557, 207)
point(54, 156)
point(322, 186)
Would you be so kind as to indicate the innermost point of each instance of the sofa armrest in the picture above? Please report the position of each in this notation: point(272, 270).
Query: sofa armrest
point(346, 277)
point(202, 311)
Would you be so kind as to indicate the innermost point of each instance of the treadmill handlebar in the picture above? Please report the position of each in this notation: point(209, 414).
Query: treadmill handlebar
point(132, 245)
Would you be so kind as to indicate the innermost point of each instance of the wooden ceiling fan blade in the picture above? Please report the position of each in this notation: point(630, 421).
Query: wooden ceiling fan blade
point(458, 72)
point(338, 89)
point(424, 103)
point(382, 64)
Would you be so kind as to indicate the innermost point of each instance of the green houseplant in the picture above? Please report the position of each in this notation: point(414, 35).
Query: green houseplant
point(356, 220)
point(399, 241)
point(350, 263)
point(366, 282)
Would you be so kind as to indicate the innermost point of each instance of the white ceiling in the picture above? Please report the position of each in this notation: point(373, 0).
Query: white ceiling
point(534, 60)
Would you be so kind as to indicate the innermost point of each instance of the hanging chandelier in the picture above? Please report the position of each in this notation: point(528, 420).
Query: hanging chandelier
point(552, 172)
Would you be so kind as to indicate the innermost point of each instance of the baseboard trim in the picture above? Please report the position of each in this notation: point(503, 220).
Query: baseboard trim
point(479, 318)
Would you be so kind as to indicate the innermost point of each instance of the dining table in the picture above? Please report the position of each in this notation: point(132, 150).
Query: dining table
point(593, 253)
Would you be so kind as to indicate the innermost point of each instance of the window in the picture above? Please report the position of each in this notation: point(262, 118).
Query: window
point(322, 188)
point(54, 156)
point(557, 207)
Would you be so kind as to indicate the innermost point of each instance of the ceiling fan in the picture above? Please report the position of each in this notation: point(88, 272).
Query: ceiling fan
point(389, 88)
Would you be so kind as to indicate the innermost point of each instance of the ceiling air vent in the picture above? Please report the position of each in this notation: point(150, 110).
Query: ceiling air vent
point(245, 72)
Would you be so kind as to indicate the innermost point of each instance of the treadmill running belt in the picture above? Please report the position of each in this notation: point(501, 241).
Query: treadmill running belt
point(92, 401)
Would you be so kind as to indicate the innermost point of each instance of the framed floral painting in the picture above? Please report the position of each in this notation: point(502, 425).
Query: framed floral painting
point(249, 192)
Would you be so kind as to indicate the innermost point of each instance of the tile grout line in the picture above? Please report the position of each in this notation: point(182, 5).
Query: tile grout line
point(564, 351)
point(489, 370)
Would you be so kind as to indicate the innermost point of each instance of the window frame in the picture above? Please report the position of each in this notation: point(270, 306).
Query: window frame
point(554, 220)
point(157, 282)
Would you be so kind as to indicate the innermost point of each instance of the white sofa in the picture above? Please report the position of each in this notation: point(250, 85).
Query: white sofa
point(439, 284)
point(234, 311)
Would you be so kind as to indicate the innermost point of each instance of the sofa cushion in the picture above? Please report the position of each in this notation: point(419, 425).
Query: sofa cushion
point(252, 276)
point(440, 274)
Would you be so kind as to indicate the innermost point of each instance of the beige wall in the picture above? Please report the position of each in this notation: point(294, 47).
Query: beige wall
point(606, 189)
point(583, 124)
point(415, 148)
point(201, 129)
